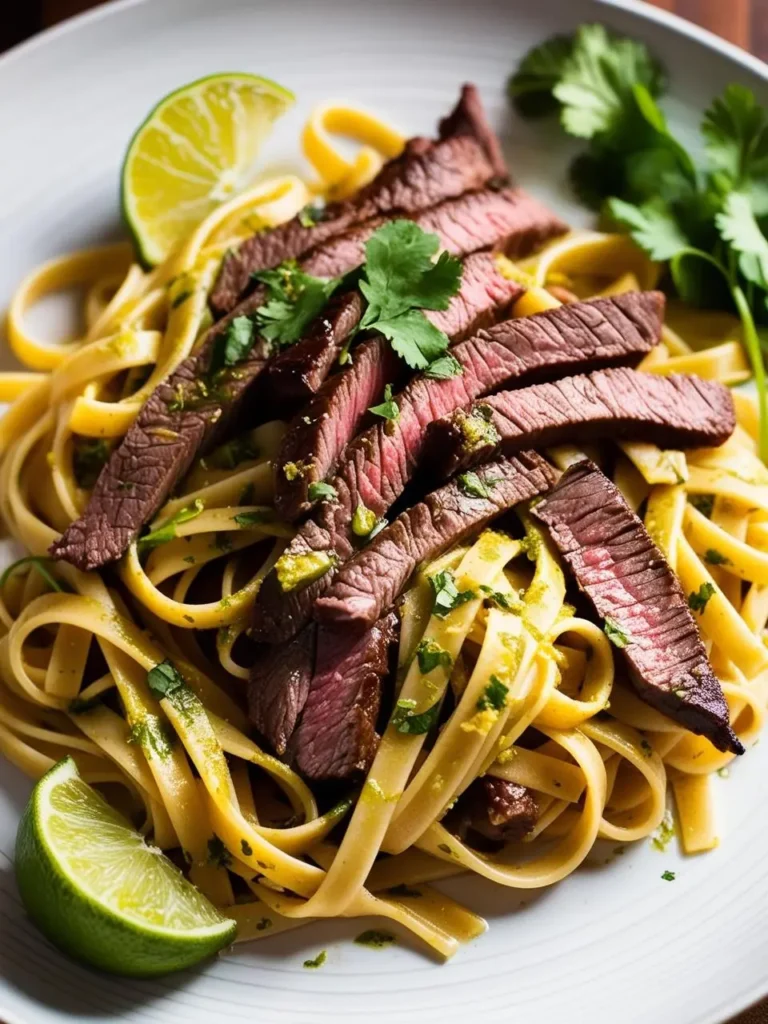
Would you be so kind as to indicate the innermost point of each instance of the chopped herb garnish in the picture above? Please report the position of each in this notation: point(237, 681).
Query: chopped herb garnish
point(218, 854)
point(375, 939)
point(80, 705)
point(389, 409)
point(472, 485)
point(317, 962)
point(294, 299)
point(430, 655)
point(665, 833)
point(246, 847)
point(646, 747)
point(405, 721)
point(704, 503)
point(164, 679)
point(697, 601)
point(400, 279)
point(153, 736)
point(499, 599)
point(38, 563)
point(444, 368)
point(322, 492)
point(668, 876)
point(618, 636)
point(233, 344)
point(167, 530)
point(446, 593)
point(181, 298)
point(89, 456)
point(715, 557)
point(255, 518)
point(494, 696)
point(311, 214)
point(363, 521)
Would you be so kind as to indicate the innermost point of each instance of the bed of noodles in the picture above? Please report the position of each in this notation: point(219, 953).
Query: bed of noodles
point(187, 771)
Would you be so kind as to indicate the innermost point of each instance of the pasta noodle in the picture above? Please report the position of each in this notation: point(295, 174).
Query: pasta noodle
point(76, 648)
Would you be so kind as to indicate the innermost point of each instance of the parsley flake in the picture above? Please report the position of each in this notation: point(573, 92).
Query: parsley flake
point(715, 557)
point(618, 636)
point(430, 655)
point(218, 854)
point(165, 679)
point(167, 530)
point(444, 368)
point(318, 961)
point(405, 721)
point(446, 593)
point(472, 485)
point(322, 492)
point(668, 876)
point(494, 696)
point(389, 409)
point(697, 601)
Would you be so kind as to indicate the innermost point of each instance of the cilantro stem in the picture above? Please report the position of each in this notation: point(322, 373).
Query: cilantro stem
point(752, 345)
point(37, 562)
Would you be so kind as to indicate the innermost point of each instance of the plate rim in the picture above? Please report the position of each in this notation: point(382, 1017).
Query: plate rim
point(643, 11)
point(639, 8)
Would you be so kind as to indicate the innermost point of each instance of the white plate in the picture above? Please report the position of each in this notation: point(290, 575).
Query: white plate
point(613, 944)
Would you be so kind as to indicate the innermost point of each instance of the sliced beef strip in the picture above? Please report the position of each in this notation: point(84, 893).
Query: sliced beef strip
point(675, 412)
point(279, 685)
point(336, 737)
point(318, 435)
point(628, 581)
point(369, 583)
point(298, 372)
point(379, 463)
point(468, 118)
point(507, 219)
point(320, 432)
point(498, 810)
point(426, 173)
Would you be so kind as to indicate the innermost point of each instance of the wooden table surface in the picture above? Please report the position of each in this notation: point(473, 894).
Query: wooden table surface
point(743, 22)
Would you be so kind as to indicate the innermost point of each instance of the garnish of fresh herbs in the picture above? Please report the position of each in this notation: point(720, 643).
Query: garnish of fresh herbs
point(708, 219)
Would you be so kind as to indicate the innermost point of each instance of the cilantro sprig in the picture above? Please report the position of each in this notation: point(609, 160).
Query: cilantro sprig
point(401, 278)
point(708, 220)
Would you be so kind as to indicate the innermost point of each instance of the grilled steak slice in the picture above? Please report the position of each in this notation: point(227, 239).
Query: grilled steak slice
point(675, 412)
point(379, 462)
point(337, 737)
point(468, 118)
point(497, 810)
point(426, 173)
point(297, 373)
point(369, 584)
point(318, 435)
point(278, 687)
point(508, 219)
point(631, 586)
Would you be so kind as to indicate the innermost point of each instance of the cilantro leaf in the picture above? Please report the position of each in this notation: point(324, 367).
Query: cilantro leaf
point(414, 338)
point(735, 130)
point(294, 299)
point(400, 274)
point(471, 484)
point(254, 518)
point(167, 530)
point(405, 721)
point(494, 696)
point(444, 368)
point(430, 655)
point(698, 600)
point(233, 344)
point(446, 593)
point(322, 492)
point(618, 636)
point(500, 599)
point(652, 226)
point(389, 409)
point(164, 679)
point(530, 88)
point(738, 227)
point(595, 87)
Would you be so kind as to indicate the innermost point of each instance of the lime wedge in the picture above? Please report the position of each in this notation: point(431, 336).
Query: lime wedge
point(197, 148)
point(97, 890)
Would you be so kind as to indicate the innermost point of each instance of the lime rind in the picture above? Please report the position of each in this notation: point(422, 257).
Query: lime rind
point(197, 147)
point(136, 914)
